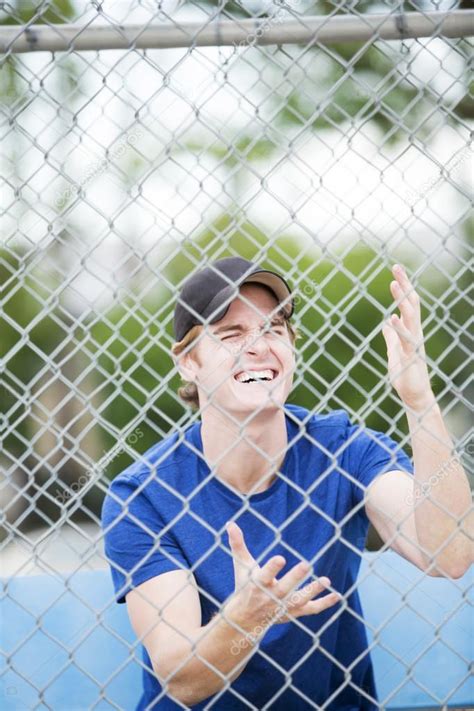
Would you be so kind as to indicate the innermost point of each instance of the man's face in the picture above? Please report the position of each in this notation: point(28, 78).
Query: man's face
point(245, 361)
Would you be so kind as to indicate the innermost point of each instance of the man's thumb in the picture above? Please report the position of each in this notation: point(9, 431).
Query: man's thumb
point(240, 552)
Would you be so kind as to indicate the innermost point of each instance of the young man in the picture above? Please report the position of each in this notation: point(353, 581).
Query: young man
point(236, 542)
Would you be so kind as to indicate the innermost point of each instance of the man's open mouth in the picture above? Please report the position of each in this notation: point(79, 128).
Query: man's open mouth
point(256, 376)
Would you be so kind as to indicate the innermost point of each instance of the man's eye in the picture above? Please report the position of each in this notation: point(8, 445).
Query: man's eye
point(226, 338)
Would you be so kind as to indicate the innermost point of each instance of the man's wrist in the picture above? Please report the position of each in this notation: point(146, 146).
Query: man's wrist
point(242, 625)
point(422, 406)
point(231, 614)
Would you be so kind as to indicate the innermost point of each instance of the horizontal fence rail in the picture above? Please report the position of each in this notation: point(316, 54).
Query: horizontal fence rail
point(220, 33)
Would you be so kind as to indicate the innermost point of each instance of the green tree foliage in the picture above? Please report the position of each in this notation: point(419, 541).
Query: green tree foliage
point(21, 12)
point(31, 331)
point(340, 299)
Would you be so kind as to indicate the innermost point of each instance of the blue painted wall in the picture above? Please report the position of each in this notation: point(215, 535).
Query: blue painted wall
point(420, 650)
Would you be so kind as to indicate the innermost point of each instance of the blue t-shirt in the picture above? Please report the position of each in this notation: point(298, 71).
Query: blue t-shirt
point(314, 511)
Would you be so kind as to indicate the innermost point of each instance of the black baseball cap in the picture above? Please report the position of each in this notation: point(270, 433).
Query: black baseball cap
point(208, 289)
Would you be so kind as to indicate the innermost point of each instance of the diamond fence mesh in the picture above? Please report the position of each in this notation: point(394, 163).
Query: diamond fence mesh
point(143, 140)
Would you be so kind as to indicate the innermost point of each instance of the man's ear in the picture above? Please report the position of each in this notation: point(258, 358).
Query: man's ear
point(187, 366)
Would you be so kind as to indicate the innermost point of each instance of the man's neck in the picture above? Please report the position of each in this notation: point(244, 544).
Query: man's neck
point(246, 458)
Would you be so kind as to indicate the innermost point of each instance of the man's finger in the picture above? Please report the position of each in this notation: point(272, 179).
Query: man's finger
point(410, 314)
point(271, 569)
point(293, 578)
point(313, 607)
point(407, 339)
point(391, 339)
point(240, 552)
point(405, 285)
point(300, 597)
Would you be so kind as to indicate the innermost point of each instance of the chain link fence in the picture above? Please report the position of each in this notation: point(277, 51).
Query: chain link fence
point(142, 140)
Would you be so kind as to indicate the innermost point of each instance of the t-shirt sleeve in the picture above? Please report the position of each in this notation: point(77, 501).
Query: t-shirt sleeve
point(136, 541)
point(369, 454)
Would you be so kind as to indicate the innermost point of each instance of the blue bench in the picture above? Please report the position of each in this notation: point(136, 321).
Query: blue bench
point(420, 649)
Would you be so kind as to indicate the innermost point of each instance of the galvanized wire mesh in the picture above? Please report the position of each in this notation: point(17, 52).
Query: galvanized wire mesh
point(125, 169)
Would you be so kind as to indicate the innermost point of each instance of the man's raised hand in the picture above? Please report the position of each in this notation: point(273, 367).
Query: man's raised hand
point(407, 367)
point(261, 599)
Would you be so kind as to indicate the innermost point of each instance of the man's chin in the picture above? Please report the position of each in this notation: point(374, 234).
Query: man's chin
point(255, 402)
point(239, 402)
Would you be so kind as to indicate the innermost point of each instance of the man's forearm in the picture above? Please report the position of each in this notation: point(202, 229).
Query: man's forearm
point(443, 512)
point(211, 656)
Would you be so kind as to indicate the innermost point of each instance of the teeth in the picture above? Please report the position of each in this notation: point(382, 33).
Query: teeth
point(249, 376)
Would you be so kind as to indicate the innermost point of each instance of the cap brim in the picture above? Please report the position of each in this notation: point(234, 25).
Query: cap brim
point(219, 305)
point(277, 284)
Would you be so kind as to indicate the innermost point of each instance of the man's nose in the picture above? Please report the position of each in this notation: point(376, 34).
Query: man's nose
point(257, 343)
